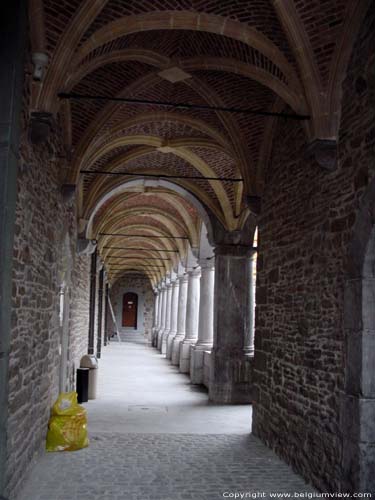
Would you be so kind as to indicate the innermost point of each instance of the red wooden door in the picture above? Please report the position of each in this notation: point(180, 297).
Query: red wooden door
point(130, 310)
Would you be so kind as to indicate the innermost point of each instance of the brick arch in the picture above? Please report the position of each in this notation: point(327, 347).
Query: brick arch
point(155, 217)
point(191, 158)
point(146, 253)
point(353, 21)
point(101, 189)
point(116, 206)
point(291, 94)
point(186, 20)
point(204, 212)
point(143, 118)
point(146, 83)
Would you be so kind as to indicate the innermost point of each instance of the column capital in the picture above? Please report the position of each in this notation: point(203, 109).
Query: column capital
point(196, 272)
point(207, 263)
point(239, 251)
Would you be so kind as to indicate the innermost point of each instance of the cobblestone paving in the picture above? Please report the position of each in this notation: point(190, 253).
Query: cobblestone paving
point(162, 467)
point(159, 441)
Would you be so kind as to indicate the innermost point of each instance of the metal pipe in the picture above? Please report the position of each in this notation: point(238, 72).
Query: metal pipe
point(128, 100)
point(162, 176)
point(145, 236)
point(137, 248)
point(128, 257)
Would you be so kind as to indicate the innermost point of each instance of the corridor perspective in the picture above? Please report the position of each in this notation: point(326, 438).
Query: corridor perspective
point(154, 436)
point(187, 200)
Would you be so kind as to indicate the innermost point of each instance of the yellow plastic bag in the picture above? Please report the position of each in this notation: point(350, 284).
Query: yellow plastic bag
point(67, 427)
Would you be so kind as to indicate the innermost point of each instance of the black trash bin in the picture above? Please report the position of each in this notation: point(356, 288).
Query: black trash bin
point(83, 384)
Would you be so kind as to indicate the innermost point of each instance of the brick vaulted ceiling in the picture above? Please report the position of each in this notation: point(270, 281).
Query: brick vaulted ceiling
point(273, 55)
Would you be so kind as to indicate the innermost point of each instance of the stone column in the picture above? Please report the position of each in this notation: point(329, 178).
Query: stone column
point(206, 321)
point(249, 335)
point(192, 319)
point(156, 316)
point(229, 373)
point(174, 315)
point(162, 317)
point(167, 318)
point(92, 303)
point(181, 319)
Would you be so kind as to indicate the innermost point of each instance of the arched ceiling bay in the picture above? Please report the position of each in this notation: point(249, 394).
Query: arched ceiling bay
point(266, 55)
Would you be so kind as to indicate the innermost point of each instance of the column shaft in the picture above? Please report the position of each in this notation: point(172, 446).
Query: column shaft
point(192, 319)
point(249, 337)
point(100, 314)
point(181, 319)
point(162, 319)
point(90, 349)
point(167, 319)
point(156, 318)
point(174, 315)
point(206, 322)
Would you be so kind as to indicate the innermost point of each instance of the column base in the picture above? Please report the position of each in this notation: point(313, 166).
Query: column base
point(159, 339)
point(177, 341)
point(164, 341)
point(197, 362)
point(185, 355)
point(231, 378)
point(170, 340)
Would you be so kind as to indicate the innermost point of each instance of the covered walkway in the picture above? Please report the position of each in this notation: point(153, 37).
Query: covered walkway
point(154, 436)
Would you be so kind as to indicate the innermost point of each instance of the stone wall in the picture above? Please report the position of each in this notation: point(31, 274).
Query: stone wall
point(304, 230)
point(44, 256)
point(145, 301)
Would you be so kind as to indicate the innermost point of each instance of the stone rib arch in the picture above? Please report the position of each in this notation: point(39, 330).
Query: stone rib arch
point(180, 20)
point(291, 94)
point(185, 216)
point(353, 21)
point(143, 118)
point(102, 187)
point(168, 222)
point(195, 161)
point(208, 218)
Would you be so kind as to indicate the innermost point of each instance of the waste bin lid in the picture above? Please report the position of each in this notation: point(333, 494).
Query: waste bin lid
point(89, 361)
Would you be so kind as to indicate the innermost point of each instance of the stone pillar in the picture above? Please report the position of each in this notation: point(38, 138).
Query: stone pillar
point(192, 319)
point(106, 314)
point(206, 321)
point(92, 304)
point(162, 317)
point(167, 318)
point(174, 316)
point(156, 316)
point(100, 314)
point(13, 39)
point(229, 374)
point(181, 319)
point(249, 335)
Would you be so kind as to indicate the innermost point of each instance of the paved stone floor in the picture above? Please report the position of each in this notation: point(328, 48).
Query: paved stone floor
point(153, 436)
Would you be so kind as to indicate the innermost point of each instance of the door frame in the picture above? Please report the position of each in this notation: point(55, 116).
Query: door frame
point(136, 300)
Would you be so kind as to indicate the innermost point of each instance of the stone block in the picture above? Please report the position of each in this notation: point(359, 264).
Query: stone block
point(185, 356)
point(357, 419)
point(196, 364)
